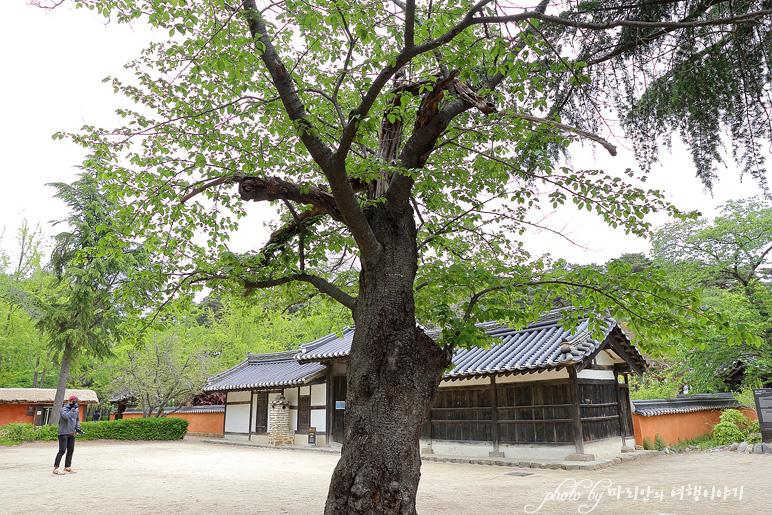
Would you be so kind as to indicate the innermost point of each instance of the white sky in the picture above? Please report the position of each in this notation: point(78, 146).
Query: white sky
point(54, 62)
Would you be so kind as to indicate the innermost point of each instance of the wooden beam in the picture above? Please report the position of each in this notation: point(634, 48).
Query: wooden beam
point(494, 415)
point(576, 416)
point(623, 354)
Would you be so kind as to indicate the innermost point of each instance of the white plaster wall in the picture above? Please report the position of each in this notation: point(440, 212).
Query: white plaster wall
point(466, 382)
point(291, 394)
point(305, 390)
point(608, 357)
point(293, 415)
point(601, 449)
point(237, 418)
point(445, 448)
point(535, 452)
point(547, 375)
point(607, 448)
point(319, 395)
point(238, 396)
point(318, 420)
point(595, 374)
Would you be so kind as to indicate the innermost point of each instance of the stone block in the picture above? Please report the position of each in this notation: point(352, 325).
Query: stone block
point(580, 457)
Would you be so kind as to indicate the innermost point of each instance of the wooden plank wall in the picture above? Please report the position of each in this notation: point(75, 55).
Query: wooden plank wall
point(529, 412)
point(599, 409)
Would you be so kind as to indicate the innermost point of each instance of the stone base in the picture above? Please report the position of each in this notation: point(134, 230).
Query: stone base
point(279, 440)
point(580, 457)
point(493, 454)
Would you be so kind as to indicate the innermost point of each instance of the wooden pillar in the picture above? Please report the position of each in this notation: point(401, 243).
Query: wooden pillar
point(224, 414)
point(329, 406)
point(494, 416)
point(619, 407)
point(576, 414)
point(252, 415)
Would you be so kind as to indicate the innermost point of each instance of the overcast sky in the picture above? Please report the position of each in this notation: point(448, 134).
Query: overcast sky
point(54, 62)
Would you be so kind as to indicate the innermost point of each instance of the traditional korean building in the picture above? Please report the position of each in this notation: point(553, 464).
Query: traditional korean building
point(33, 405)
point(541, 392)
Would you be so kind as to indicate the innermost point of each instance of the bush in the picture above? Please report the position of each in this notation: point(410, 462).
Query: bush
point(735, 417)
point(163, 428)
point(647, 445)
point(659, 442)
point(726, 432)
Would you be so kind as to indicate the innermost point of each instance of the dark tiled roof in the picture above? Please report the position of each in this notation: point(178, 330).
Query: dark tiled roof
point(701, 402)
point(541, 346)
point(328, 347)
point(265, 371)
point(210, 408)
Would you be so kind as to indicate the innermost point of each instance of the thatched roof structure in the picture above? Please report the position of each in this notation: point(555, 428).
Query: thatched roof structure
point(44, 395)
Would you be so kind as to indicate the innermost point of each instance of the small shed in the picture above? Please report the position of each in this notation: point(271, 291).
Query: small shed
point(33, 405)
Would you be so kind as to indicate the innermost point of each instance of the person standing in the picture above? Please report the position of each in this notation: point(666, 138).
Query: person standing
point(69, 424)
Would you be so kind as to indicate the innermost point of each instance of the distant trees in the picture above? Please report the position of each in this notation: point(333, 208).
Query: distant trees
point(23, 357)
point(169, 369)
point(729, 260)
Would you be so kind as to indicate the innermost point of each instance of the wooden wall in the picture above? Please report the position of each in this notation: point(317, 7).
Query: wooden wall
point(536, 412)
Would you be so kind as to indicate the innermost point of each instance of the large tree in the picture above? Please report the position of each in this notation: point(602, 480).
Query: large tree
point(89, 260)
point(412, 143)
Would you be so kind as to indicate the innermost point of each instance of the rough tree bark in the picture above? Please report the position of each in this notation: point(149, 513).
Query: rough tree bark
point(61, 385)
point(394, 371)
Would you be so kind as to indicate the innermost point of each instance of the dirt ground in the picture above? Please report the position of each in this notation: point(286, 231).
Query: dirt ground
point(193, 477)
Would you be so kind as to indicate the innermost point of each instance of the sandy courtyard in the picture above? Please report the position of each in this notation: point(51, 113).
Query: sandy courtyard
point(198, 478)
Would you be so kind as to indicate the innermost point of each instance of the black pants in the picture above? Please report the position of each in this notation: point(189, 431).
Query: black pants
point(66, 444)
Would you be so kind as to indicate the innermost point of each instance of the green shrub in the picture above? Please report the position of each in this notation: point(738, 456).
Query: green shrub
point(163, 428)
point(647, 445)
point(735, 417)
point(753, 432)
point(727, 432)
point(659, 442)
point(745, 395)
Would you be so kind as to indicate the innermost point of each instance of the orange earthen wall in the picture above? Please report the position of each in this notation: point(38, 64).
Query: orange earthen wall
point(199, 422)
point(15, 413)
point(683, 426)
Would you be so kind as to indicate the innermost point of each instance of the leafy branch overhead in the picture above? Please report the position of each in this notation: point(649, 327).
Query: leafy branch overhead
point(458, 110)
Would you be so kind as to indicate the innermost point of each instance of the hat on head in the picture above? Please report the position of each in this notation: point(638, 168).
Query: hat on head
point(73, 397)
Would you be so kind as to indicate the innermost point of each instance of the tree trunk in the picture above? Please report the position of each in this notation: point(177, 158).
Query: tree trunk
point(394, 371)
point(61, 385)
point(35, 376)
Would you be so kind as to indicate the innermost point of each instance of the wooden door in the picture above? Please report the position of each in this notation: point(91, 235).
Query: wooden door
point(304, 413)
point(339, 410)
point(261, 413)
